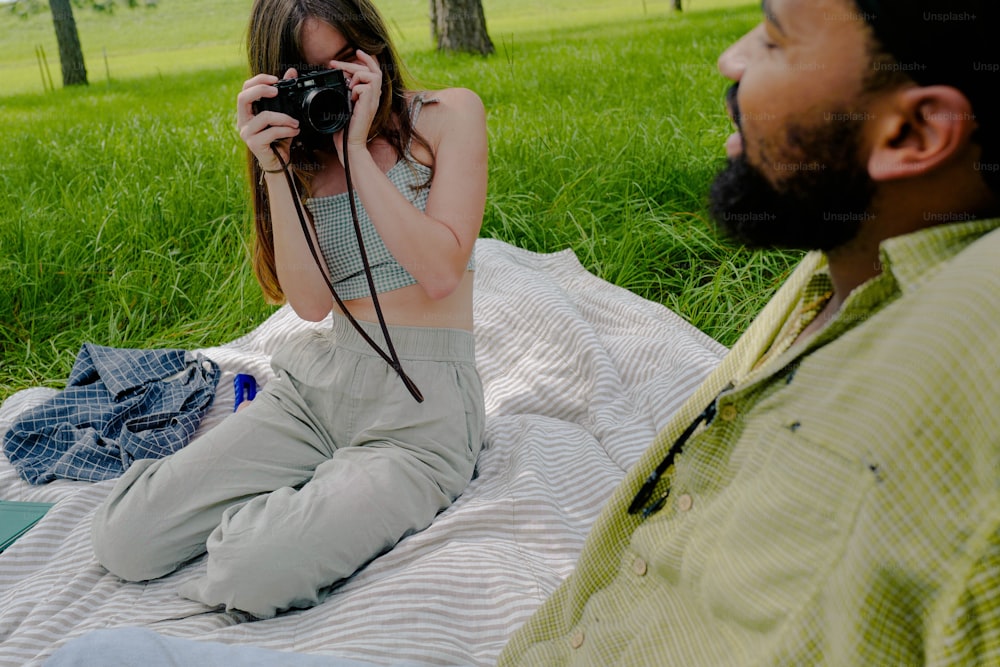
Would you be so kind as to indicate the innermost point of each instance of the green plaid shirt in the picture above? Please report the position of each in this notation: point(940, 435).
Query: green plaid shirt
point(843, 506)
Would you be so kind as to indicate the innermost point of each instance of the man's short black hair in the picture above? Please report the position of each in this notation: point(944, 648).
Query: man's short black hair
point(947, 42)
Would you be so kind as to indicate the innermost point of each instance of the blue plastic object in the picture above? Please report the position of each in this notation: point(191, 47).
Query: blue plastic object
point(245, 387)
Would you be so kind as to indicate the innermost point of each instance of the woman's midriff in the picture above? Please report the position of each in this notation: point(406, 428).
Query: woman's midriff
point(410, 306)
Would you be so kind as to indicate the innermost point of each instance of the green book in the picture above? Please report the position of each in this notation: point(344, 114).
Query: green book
point(17, 517)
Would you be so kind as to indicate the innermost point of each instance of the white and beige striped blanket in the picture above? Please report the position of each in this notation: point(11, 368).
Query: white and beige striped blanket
point(579, 375)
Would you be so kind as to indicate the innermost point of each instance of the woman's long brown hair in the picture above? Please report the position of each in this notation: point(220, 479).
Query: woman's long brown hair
point(274, 44)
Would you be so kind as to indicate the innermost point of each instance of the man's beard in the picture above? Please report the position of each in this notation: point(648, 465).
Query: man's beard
point(819, 205)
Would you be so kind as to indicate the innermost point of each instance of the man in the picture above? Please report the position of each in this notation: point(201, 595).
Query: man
point(830, 495)
point(842, 505)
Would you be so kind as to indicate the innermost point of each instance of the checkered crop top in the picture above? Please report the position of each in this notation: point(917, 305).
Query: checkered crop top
point(338, 242)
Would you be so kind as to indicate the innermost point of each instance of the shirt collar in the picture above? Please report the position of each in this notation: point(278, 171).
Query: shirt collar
point(912, 258)
point(908, 261)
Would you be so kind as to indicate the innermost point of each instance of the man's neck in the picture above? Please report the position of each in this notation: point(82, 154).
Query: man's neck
point(849, 267)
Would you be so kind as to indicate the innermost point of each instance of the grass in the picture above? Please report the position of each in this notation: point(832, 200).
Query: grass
point(123, 218)
point(192, 35)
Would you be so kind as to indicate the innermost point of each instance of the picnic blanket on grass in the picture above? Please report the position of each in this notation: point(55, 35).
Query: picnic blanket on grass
point(579, 376)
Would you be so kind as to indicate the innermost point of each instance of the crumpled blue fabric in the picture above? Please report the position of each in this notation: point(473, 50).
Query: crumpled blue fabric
point(119, 405)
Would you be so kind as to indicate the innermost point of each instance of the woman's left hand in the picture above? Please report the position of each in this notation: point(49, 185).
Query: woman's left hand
point(364, 79)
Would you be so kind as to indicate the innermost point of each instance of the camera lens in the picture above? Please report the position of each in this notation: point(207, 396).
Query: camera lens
point(326, 109)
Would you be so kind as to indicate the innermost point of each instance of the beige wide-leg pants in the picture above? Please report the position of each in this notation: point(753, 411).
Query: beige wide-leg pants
point(332, 464)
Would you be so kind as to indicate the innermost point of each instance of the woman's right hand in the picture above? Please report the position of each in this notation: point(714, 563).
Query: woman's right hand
point(261, 131)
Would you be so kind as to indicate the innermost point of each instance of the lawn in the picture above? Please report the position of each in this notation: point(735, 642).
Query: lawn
point(192, 35)
point(124, 219)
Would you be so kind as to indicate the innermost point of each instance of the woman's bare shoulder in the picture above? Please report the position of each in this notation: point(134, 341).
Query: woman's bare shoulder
point(450, 105)
point(451, 113)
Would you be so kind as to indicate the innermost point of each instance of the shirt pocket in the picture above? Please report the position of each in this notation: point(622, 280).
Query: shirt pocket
point(782, 527)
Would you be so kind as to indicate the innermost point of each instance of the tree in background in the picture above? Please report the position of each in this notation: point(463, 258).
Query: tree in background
point(460, 25)
point(74, 69)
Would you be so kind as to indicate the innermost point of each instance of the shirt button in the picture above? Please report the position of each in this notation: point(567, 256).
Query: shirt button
point(576, 641)
point(639, 566)
point(685, 502)
point(728, 412)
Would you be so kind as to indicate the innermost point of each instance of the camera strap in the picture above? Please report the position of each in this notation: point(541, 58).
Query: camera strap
point(389, 354)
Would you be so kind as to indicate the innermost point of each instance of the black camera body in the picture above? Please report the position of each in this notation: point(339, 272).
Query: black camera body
point(320, 101)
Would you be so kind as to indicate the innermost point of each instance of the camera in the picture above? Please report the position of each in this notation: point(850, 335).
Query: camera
point(320, 101)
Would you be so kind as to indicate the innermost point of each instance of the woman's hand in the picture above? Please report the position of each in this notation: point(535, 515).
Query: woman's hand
point(260, 131)
point(364, 79)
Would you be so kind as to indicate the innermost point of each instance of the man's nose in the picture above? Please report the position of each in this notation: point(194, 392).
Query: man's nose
point(733, 61)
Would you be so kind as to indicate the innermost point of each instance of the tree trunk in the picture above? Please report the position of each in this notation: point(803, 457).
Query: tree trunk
point(434, 21)
point(74, 71)
point(460, 25)
point(677, 5)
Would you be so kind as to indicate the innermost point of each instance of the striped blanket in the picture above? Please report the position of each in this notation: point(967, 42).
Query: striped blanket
point(579, 375)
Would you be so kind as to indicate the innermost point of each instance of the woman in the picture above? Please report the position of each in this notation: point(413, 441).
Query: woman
point(339, 457)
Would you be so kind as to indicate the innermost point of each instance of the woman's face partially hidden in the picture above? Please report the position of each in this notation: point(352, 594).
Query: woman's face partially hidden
point(321, 43)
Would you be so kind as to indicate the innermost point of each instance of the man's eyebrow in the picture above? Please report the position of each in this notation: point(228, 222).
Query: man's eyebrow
point(765, 6)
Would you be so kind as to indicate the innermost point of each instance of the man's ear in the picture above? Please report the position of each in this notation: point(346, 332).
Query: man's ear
point(921, 128)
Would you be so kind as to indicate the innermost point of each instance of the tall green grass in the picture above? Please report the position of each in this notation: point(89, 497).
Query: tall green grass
point(123, 219)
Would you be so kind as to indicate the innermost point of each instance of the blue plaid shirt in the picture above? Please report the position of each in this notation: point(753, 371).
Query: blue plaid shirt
point(119, 405)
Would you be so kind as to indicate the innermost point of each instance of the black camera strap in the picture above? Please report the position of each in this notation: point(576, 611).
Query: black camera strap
point(389, 355)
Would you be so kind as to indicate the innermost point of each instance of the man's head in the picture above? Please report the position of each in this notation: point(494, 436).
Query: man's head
point(839, 101)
